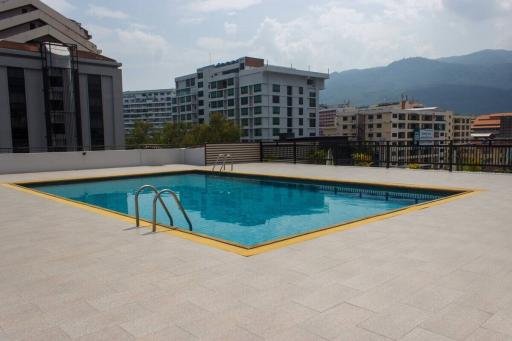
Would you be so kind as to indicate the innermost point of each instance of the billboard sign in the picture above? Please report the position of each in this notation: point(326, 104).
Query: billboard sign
point(424, 137)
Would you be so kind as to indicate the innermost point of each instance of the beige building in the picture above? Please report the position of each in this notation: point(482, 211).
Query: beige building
point(396, 122)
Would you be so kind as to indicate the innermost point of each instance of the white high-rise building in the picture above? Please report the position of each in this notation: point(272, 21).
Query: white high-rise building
point(266, 101)
point(153, 106)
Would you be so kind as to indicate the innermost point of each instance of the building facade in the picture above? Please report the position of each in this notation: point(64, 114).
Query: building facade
point(266, 101)
point(55, 95)
point(397, 122)
point(153, 106)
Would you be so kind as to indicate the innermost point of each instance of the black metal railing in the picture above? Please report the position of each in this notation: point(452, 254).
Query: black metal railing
point(475, 156)
point(32, 149)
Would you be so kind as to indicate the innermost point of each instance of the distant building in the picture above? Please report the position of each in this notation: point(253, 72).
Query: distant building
point(266, 101)
point(56, 91)
point(396, 122)
point(153, 106)
point(489, 126)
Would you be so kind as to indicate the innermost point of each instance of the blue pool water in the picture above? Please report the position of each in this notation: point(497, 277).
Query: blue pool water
point(244, 210)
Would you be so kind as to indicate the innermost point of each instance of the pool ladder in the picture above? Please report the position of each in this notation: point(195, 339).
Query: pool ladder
point(158, 197)
point(221, 161)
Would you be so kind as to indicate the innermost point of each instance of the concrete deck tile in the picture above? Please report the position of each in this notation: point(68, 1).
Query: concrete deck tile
point(113, 333)
point(327, 297)
point(432, 298)
point(500, 322)
point(456, 321)
point(395, 322)
point(332, 322)
point(482, 334)
point(359, 334)
point(419, 334)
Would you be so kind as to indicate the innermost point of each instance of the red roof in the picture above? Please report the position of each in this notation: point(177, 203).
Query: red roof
point(490, 121)
point(34, 47)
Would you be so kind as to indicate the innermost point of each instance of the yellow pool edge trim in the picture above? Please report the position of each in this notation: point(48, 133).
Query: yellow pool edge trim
point(247, 252)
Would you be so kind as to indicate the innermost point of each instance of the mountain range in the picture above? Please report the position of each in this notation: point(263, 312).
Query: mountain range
point(476, 83)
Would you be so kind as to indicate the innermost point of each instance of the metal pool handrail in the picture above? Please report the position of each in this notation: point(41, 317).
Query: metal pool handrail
point(153, 188)
point(221, 161)
point(178, 202)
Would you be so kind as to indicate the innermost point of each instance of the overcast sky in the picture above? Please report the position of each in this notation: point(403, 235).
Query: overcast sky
point(157, 40)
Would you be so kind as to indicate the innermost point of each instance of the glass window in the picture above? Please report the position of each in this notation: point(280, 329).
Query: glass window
point(257, 110)
point(257, 132)
point(95, 110)
point(301, 90)
point(275, 99)
point(244, 111)
point(275, 132)
point(257, 99)
point(276, 88)
point(257, 121)
point(276, 110)
point(289, 90)
point(301, 101)
point(18, 108)
point(275, 121)
point(257, 87)
point(244, 100)
point(244, 90)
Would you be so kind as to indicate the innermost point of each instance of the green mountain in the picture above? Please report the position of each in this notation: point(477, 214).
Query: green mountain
point(477, 83)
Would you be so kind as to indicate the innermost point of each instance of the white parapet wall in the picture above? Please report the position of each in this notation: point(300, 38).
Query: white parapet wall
point(44, 162)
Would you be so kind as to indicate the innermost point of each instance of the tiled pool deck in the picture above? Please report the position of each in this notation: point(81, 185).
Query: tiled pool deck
point(443, 273)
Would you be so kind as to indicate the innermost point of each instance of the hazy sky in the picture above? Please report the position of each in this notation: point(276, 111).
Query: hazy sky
point(157, 40)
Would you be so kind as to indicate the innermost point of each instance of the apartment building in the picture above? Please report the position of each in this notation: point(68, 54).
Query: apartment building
point(266, 101)
point(398, 122)
point(57, 92)
point(462, 128)
point(153, 106)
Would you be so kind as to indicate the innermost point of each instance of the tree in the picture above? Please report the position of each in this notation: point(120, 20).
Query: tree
point(140, 134)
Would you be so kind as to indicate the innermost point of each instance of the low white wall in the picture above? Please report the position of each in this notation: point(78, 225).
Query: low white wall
point(41, 162)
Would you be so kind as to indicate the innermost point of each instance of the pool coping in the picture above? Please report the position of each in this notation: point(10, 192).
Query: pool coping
point(458, 193)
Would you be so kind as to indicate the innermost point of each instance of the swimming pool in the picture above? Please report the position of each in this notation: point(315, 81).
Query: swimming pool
point(245, 210)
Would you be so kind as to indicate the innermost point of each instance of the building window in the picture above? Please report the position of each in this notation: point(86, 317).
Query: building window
point(289, 122)
point(257, 87)
point(257, 99)
point(199, 84)
point(301, 101)
point(301, 111)
point(312, 122)
point(231, 102)
point(244, 111)
point(289, 111)
point(301, 90)
point(312, 102)
point(289, 101)
point(275, 131)
point(95, 110)
point(257, 132)
point(275, 99)
point(257, 121)
point(276, 88)
point(301, 132)
point(301, 121)
point(276, 121)
point(244, 90)
point(257, 110)
point(289, 90)
point(244, 100)
point(276, 110)
point(18, 108)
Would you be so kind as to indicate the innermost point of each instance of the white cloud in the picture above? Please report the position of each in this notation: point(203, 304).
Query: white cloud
point(343, 34)
point(221, 5)
point(106, 13)
point(62, 6)
point(190, 20)
point(230, 28)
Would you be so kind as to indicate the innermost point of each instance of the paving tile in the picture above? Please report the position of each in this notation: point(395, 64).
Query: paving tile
point(432, 298)
point(369, 280)
point(295, 334)
point(326, 297)
point(482, 334)
point(395, 322)
point(50, 334)
point(332, 322)
point(500, 322)
point(359, 334)
point(172, 332)
point(112, 333)
point(456, 321)
point(419, 334)
point(146, 325)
